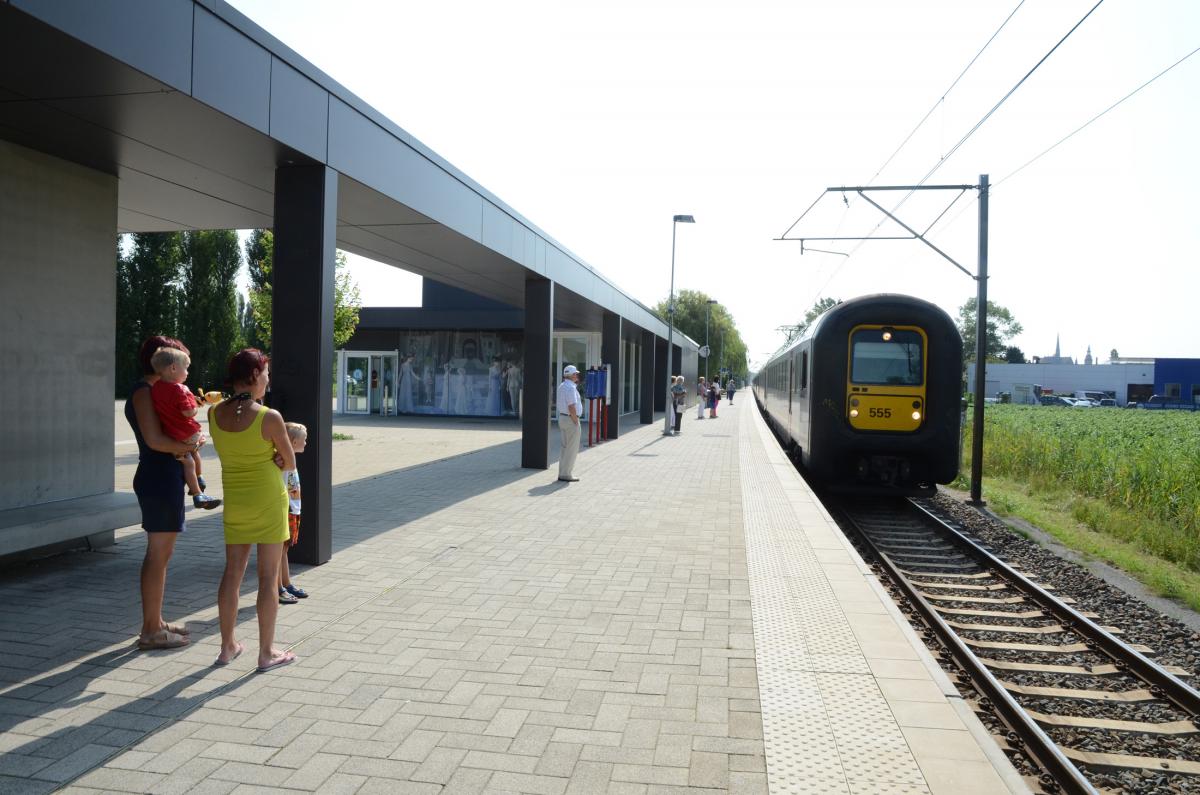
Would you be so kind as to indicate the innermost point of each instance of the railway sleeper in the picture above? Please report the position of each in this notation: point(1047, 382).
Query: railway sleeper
point(1124, 696)
point(1096, 759)
point(1105, 669)
point(1135, 726)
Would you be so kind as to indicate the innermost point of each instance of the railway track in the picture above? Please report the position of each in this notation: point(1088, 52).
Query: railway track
point(1072, 696)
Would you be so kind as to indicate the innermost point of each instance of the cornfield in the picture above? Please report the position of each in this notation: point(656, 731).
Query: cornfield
point(1145, 462)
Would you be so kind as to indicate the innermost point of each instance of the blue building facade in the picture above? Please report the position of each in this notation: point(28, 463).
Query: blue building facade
point(1178, 378)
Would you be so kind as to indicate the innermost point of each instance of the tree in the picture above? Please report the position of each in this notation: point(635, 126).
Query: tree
point(819, 307)
point(1014, 355)
point(260, 254)
point(208, 315)
point(147, 297)
point(260, 257)
point(1001, 327)
point(728, 348)
point(1113, 355)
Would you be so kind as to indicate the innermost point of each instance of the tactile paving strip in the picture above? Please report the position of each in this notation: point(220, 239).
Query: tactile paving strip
point(826, 725)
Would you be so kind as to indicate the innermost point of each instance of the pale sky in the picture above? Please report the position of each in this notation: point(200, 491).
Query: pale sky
point(600, 121)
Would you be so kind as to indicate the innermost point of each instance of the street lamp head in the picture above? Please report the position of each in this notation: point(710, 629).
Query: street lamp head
point(713, 301)
point(684, 219)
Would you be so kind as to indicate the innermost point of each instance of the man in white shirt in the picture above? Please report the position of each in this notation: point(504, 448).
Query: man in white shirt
point(570, 407)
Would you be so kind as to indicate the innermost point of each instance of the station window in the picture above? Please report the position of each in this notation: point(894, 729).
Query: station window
point(1172, 390)
point(897, 360)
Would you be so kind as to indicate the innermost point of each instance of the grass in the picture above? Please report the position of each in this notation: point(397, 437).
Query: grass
point(1093, 529)
point(1121, 486)
point(342, 437)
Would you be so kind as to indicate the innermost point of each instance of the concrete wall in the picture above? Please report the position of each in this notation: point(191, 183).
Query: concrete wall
point(58, 235)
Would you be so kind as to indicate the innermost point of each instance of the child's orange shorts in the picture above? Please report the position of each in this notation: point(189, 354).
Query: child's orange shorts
point(294, 528)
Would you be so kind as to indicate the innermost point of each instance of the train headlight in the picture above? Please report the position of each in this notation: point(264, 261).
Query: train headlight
point(887, 334)
point(917, 415)
point(853, 413)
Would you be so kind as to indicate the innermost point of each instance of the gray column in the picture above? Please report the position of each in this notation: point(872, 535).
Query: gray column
point(610, 354)
point(660, 374)
point(648, 389)
point(539, 381)
point(302, 338)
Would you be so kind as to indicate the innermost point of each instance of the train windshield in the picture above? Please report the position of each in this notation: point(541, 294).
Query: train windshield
point(894, 360)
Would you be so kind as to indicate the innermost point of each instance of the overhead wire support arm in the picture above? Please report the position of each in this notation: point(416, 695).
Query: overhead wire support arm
point(917, 235)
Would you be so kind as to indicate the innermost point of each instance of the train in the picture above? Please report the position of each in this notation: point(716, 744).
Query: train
point(868, 398)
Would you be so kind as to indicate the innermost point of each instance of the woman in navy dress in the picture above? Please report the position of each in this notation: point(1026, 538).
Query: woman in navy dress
point(158, 484)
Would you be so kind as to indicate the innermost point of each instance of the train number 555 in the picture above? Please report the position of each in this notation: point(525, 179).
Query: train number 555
point(884, 413)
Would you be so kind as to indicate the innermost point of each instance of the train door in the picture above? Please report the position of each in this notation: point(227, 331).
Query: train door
point(791, 382)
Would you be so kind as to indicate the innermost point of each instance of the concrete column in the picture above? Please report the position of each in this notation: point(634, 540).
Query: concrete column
point(539, 380)
point(610, 354)
point(302, 338)
point(660, 374)
point(648, 388)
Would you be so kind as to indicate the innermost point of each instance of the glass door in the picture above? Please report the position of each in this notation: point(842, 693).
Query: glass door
point(571, 350)
point(386, 404)
point(358, 373)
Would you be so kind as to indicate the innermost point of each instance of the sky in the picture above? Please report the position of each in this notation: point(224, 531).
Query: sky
point(600, 121)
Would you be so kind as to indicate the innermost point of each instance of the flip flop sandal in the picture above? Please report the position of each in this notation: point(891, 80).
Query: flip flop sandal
point(221, 664)
point(286, 598)
point(287, 658)
point(162, 639)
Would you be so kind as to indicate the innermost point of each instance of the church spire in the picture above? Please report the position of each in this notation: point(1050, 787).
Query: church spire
point(1057, 351)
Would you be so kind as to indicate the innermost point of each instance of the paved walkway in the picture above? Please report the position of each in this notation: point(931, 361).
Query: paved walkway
point(486, 628)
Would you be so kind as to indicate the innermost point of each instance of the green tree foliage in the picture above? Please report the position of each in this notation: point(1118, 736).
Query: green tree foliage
point(208, 312)
point(260, 254)
point(1014, 355)
point(1001, 327)
point(819, 307)
point(260, 257)
point(1113, 355)
point(728, 349)
point(147, 297)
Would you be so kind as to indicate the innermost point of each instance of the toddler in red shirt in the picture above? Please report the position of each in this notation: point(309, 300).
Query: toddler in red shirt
point(176, 408)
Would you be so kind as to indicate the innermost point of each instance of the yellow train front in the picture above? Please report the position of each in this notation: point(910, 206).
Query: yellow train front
point(868, 397)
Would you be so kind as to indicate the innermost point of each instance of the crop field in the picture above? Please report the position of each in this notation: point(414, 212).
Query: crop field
point(1146, 463)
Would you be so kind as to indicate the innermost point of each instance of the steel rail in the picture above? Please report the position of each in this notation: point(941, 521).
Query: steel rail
point(1035, 742)
point(1170, 687)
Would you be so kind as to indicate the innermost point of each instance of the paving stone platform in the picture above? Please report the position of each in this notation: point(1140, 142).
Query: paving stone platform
point(685, 618)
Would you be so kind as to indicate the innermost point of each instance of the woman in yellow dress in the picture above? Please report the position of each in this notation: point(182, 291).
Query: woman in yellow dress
point(247, 437)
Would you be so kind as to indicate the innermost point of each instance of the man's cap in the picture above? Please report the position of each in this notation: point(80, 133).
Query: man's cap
point(570, 369)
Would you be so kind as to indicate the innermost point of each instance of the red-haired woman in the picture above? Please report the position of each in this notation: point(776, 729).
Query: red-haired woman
point(158, 484)
point(248, 436)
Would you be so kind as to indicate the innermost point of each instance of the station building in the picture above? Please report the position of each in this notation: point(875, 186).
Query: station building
point(136, 116)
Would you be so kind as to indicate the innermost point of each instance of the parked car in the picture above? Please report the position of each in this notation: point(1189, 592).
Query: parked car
point(1057, 400)
point(1165, 402)
point(1108, 402)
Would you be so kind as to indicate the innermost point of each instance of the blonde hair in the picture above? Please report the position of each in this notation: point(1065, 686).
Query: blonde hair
point(296, 430)
point(164, 358)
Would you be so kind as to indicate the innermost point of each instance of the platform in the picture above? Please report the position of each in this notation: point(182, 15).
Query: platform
point(686, 616)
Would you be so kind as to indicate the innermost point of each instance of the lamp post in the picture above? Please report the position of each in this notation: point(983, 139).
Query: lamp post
point(708, 350)
point(679, 219)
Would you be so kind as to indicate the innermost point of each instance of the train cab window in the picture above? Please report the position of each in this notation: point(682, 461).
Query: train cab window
point(896, 360)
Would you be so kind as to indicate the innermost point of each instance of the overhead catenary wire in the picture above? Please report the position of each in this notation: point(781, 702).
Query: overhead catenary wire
point(945, 157)
point(1067, 137)
point(941, 98)
point(944, 94)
